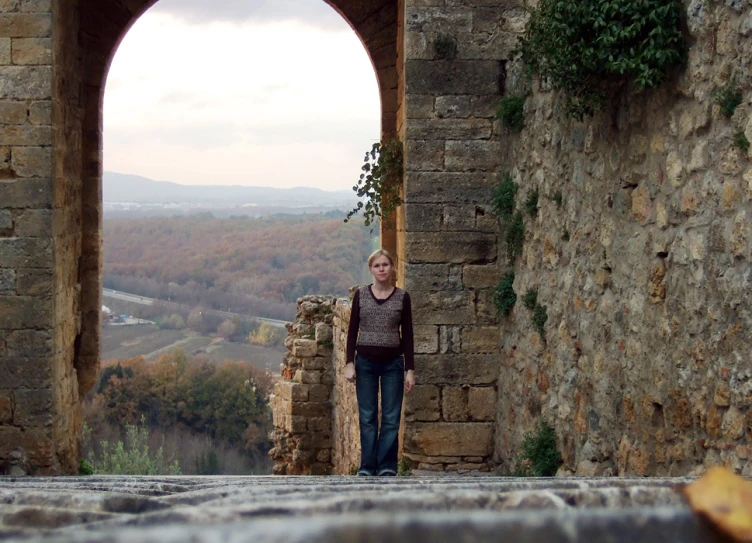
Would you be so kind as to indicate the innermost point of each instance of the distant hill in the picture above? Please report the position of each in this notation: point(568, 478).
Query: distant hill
point(124, 189)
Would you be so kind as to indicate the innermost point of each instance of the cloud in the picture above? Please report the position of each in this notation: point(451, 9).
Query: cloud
point(312, 12)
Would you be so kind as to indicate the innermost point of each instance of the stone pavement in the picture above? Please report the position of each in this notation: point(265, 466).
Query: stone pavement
point(325, 509)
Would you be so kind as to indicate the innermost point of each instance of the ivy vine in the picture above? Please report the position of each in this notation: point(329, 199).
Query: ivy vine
point(584, 47)
point(380, 182)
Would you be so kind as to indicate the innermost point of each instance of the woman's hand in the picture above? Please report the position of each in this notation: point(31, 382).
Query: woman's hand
point(409, 380)
point(350, 372)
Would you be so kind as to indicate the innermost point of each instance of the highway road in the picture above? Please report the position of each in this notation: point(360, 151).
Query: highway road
point(142, 300)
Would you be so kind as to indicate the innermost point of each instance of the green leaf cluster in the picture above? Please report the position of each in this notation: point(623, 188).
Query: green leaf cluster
point(540, 316)
point(381, 182)
point(514, 237)
point(511, 112)
point(504, 296)
point(133, 456)
point(530, 299)
point(502, 201)
point(531, 204)
point(584, 46)
point(539, 455)
point(741, 142)
point(728, 97)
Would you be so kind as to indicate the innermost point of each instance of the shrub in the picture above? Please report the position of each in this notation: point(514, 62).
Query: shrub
point(503, 197)
point(445, 47)
point(585, 47)
point(514, 237)
point(133, 457)
point(531, 204)
point(540, 316)
point(741, 142)
point(403, 468)
point(558, 198)
point(539, 456)
point(380, 182)
point(530, 299)
point(504, 296)
point(511, 112)
point(728, 98)
point(84, 468)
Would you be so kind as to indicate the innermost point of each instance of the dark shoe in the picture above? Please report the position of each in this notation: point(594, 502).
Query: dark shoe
point(364, 473)
point(387, 473)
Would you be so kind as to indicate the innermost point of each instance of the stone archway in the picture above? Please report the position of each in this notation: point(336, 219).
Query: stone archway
point(86, 36)
point(54, 57)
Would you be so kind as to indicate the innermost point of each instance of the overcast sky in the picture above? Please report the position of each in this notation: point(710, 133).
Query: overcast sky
point(249, 92)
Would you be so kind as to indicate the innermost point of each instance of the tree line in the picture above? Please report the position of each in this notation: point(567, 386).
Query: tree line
point(203, 416)
point(256, 266)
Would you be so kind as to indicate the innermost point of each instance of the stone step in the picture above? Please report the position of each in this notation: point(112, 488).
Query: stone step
point(416, 508)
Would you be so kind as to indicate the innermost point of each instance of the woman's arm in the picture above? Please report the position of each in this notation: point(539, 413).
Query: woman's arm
point(352, 331)
point(408, 342)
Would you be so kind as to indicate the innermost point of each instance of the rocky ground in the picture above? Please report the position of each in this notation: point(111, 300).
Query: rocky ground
point(418, 508)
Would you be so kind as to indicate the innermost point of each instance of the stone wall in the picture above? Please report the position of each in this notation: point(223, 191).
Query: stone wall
point(644, 270)
point(301, 402)
point(447, 233)
point(345, 420)
point(32, 388)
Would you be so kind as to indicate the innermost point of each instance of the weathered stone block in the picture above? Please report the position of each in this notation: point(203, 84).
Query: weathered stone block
point(448, 188)
point(21, 372)
point(443, 307)
point(318, 393)
point(26, 193)
point(7, 281)
point(456, 369)
point(423, 217)
point(419, 106)
point(426, 339)
point(32, 161)
point(25, 135)
point(438, 19)
point(315, 363)
point(480, 276)
point(29, 343)
point(32, 51)
point(13, 112)
point(6, 221)
point(40, 112)
point(26, 82)
point(461, 218)
point(320, 424)
point(454, 404)
point(304, 348)
point(481, 403)
point(480, 339)
point(470, 156)
point(449, 439)
point(6, 407)
point(26, 25)
point(32, 407)
point(449, 129)
point(19, 312)
point(310, 409)
point(453, 107)
point(31, 223)
point(424, 155)
point(449, 77)
point(34, 282)
point(323, 332)
point(456, 247)
point(432, 277)
point(422, 404)
point(5, 52)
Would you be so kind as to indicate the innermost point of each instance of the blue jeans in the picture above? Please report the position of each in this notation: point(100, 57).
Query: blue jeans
point(379, 446)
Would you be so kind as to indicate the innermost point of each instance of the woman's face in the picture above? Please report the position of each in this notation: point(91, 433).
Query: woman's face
point(381, 268)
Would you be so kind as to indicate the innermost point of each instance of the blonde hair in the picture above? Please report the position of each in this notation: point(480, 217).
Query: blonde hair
point(383, 252)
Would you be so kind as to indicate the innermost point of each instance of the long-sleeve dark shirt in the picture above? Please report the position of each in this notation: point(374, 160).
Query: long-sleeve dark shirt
point(381, 330)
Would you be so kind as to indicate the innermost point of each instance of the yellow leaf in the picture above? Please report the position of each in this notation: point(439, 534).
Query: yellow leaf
point(725, 499)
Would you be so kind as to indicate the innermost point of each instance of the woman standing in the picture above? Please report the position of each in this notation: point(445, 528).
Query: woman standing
point(381, 333)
